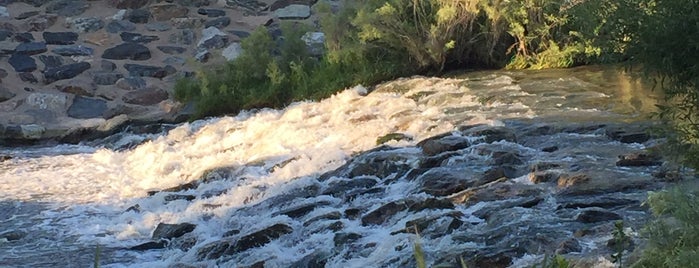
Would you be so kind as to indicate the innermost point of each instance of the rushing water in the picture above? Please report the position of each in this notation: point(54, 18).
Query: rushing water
point(64, 201)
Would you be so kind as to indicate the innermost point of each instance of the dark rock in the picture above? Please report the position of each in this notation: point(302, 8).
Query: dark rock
point(380, 215)
point(549, 149)
point(298, 211)
point(127, 4)
point(51, 61)
point(107, 66)
point(131, 83)
point(434, 226)
point(41, 23)
point(353, 213)
point(67, 8)
point(500, 189)
point(83, 108)
point(443, 143)
point(145, 96)
point(137, 37)
point(64, 72)
point(4, 158)
point(150, 245)
point(507, 158)
point(106, 78)
point(316, 259)
point(259, 238)
point(60, 38)
point(25, 15)
point(138, 16)
point(213, 250)
point(169, 231)
point(3, 73)
point(22, 63)
point(596, 215)
point(85, 25)
point(174, 61)
point(639, 160)
point(131, 51)
point(13, 235)
point(569, 246)
point(202, 55)
point(490, 134)
point(149, 71)
point(211, 13)
point(597, 201)
point(343, 186)
point(335, 215)
point(173, 197)
point(218, 22)
point(116, 26)
point(341, 239)
point(4, 34)
point(80, 88)
point(193, 3)
point(28, 77)
point(445, 181)
point(184, 37)
point(78, 50)
point(24, 37)
point(544, 176)
point(628, 135)
point(31, 48)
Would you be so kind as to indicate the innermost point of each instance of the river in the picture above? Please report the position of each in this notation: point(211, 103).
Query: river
point(60, 205)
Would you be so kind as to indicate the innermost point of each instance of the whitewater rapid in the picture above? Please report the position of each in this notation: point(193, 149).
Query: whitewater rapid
point(83, 191)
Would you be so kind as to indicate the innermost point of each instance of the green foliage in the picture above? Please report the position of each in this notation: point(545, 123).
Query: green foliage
point(674, 236)
point(620, 242)
point(96, 263)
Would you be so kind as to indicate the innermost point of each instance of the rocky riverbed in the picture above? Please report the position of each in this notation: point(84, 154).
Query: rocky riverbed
point(76, 70)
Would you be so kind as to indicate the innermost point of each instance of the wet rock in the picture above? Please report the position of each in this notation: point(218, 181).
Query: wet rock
point(50, 61)
point(139, 16)
point(131, 51)
point(145, 96)
point(106, 78)
point(569, 246)
point(434, 226)
point(13, 235)
point(211, 13)
point(631, 135)
point(67, 8)
point(78, 50)
point(173, 197)
point(500, 189)
point(568, 180)
point(149, 71)
point(549, 149)
point(212, 38)
point(131, 83)
point(639, 159)
point(299, 211)
point(83, 108)
point(60, 38)
point(41, 23)
point(316, 259)
point(150, 245)
point(352, 213)
point(293, 12)
point(445, 181)
point(335, 215)
point(169, 231)
point(544, 176)
point(67, 71)
point(341, 239)
point(490, 134)
point(597, 202)
point(85, 25)
point(184, 37)
point(137, 37)
point(22, 63)
point(342, 186)
point(165, 12)
point(443, 143)
point(383, 213)
point(116, 26)
point(259, 238)
point(31, 48)
point(173, 50)
point(218, 22)
point(596, 215)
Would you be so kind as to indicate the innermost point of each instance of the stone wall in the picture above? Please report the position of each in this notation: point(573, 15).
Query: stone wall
point(69, 67)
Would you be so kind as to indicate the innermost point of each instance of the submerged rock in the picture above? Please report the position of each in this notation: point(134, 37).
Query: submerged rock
point(169, 231)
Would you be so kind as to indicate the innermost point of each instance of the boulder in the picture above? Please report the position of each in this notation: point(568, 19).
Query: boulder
point(24, 37)
point(73, 50)
point(27, 14)
point(174, 61)
point(131, 51)
point(28, 77)
point(145, 97)
point(184, 37)
point(65, 71)
point(221, 22)
point(22, 63)
point(443, 143)
point(293, 12)
point(31, 48)
point(187, 23)
point(60, 38)
point(85, 25)
point(212, 37)
point(158, 26)
point(106, 78)
point(596, 215)
point(80, 87)
point(67, 8)
point(381, 214)
point(83, 108)
point(639, 159)
point(131, 83)
point(41, 22)
point(107, 66)
point(259, 238)
point(232, 52)
point(47, 101)
point(138, 16)
point(170, 231)
point(127, 4)
point(6, 94)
